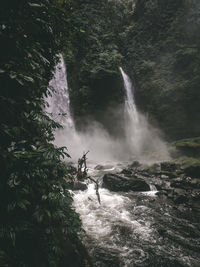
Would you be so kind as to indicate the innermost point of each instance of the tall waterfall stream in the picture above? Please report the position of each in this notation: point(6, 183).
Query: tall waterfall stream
point(133, 228)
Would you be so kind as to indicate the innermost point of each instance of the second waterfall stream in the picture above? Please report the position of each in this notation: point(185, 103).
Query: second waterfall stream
point(142, 140)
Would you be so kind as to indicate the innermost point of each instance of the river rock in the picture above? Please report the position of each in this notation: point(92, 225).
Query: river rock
point(154, 169)
point(189, 147)
point(77, 185)
point(115, 182)
point(186, 183)
point(99, 167)
point(127, 171)
point(103, 167)
point(169, 166)
point(181, 199)
point(193, 170)
point(134, 164)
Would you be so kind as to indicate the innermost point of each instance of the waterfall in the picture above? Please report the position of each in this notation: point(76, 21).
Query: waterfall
point(133, 127)
point(95, 138)
point(59, 109)
point(130, 106)
point(59, 102)
point(142, 140)
point(140, 137)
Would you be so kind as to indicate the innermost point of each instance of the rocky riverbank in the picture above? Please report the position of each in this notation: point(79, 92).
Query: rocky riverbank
point(177, 181)
point(136, 227)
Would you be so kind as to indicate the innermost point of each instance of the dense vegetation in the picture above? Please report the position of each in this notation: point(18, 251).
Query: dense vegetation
point(93, 65)
point(38, 226)
point(157, 42)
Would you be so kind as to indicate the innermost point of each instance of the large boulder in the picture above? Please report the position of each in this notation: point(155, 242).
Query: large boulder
point(169, 166)
point(103, 167)
point(193, 170)
point(77, 185)
point(189, 147)
point(190, 166)
point(115, 182)
point(134, 164)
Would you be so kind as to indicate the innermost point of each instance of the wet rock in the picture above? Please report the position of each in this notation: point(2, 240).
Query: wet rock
point(108, 257)
point(103, 167)
point(169, 174)
point(99, 167)
point(161, 193)
point(158, 186)
point(169, 170)
point(126, 171)
point(195, 183)
point(154, 169)
point(168, 166)
point(189, 147)
point(162, 185)
point(186, 183)
point(117, 183)
point(182, 199)
point(164, 176)
point(192, 170)
point(179, 191)
point(189, 166)
point(161, 231)
point(195, 196)
point(77, 185)
point(135, 164)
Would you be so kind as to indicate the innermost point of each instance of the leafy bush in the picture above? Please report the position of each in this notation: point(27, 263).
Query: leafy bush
point(38, 225)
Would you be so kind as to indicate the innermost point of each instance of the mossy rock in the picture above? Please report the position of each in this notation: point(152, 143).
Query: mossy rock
point(193, 170)
point(154, 169)
point(134, 164)
point(189, 147)
point(169, 174)
point(117, 183)
point(169, 166)
point(190, 166)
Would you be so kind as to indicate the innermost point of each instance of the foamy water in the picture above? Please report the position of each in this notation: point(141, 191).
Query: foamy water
point(123, 229)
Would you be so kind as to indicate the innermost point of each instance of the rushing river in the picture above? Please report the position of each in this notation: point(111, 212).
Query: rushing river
point(136, 229)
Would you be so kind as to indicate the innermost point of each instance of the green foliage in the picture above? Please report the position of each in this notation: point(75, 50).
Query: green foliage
point(93, 63)
point(38, 225)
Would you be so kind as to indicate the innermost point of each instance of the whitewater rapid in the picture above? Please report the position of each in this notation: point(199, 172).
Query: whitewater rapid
point(124, 230)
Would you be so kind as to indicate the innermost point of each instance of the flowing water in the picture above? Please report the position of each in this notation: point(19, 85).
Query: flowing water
point(59, 102)
point(127, 229)
point(136, 229)
point(143, 141)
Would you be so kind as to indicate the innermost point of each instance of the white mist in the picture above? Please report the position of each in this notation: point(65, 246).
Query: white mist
point(141, 141)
